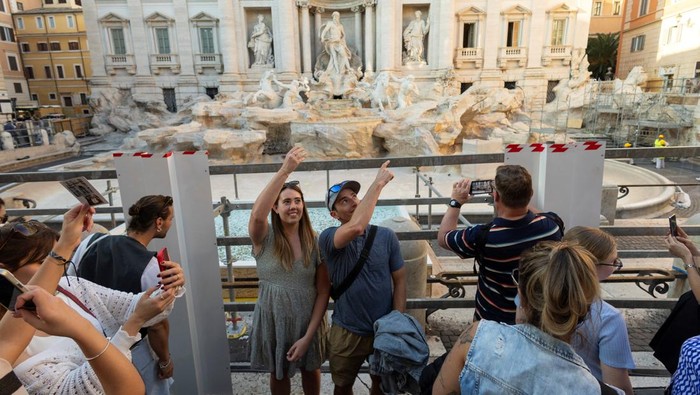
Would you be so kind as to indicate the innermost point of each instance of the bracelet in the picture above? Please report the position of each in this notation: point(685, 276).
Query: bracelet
point(101, 352)
point(59, 258)
point(163, 366)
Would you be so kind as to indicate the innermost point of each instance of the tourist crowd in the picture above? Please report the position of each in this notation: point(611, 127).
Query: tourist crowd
point(92, 315)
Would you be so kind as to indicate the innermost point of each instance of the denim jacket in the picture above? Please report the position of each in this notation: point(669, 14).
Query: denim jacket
point(520, 359)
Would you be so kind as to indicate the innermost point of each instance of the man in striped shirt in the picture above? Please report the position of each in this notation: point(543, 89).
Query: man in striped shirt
point(499, 244)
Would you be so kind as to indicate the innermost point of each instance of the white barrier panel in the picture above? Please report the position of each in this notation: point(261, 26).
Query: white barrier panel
point(198, 342)
point(529, 156)
point(567, 178)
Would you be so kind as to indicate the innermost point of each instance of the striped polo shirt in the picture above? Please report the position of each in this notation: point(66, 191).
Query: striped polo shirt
point(505, 242)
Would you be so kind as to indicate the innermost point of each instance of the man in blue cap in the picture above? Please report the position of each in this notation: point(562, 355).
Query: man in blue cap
point(361, 288)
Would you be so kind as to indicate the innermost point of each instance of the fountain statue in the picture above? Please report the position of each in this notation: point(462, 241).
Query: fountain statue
point(337, 68)
point(261, 43)
point(413, 37)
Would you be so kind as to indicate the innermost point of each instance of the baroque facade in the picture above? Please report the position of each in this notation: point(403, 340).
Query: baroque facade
point(173, 50)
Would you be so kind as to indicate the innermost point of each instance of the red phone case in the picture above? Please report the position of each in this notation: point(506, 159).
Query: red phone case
point(162, 256)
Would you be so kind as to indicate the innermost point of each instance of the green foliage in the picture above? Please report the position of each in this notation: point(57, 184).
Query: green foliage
point(602, 53)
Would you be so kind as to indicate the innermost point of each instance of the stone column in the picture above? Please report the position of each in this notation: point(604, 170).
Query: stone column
point(140, 35)
point(389, 51)
point(228, 44)
point(441, 36)
point(369, 35)
point(305, 35)
point(538, 34)
point(358, 28)
point(284, 37)
point(184, 39)
point(92, 29)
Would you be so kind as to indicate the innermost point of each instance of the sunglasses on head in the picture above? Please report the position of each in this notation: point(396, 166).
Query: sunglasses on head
point(25, 229)
point(290, 184)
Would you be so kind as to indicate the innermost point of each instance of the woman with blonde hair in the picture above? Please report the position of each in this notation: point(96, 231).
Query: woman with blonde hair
point(288, 322)
point(556, 284)
point(602, 339)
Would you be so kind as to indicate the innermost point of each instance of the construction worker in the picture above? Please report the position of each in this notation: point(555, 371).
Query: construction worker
point(659, 143)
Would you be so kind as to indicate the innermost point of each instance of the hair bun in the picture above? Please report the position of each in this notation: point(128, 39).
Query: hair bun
point(134, 210)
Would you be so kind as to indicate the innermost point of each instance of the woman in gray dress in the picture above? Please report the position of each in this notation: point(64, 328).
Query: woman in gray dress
point(288, 322)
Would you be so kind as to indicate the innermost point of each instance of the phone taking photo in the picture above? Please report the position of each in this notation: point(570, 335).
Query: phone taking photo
point(10, 289)
point(673, 225)
point(481, 187)
point(162, 256)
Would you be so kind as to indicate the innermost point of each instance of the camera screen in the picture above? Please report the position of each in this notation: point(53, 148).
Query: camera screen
point(480, 187)
point(8, 293)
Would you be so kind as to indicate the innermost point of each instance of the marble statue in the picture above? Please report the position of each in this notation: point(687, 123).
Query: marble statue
point(413, 38)
point(333, 39)
point(266, 96)
point(292, 97)
point(261, 43)
point(407, 89)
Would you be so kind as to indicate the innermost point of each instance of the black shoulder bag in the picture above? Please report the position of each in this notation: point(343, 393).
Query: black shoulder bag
point(336, 292)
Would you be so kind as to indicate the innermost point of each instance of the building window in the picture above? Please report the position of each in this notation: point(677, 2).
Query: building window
point(170, 99)
point(39, 22)
point(85, 110)
point(597, 8)
point(469, 39)
point(2, 6)
point(67, 101)
point(20, 6)
point(509, 84)
point(118, 42)
point(83, 99)
point(638, 43)
point(550, 90)
point(47, 71)
point(514, 32)
point(52, 96)
point(55, 46)
point(78, 71)
point(25, 47)
point(52, 22)
point(59, 71)
point(616, 7)
point(70, 21)
point(20, 23)
point(697, 69)
point(29, 72)
point(18, 87)
point(558, 30)
point(643, 7)
point(62, 1)
point(162, 40)
point(42, 47)
point(35, 97)
point(206, 40)
point(7, 34)
point(12, 62)
point(78, 2)
point(74, 46)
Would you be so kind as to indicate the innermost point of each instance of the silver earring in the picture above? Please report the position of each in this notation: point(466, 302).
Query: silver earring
point(158, 229)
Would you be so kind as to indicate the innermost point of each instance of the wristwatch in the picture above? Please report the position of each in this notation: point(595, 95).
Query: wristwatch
point(455, 204)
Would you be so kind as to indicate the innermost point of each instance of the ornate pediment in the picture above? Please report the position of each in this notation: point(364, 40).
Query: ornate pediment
point(158, 18)
point(203, 17)
point(470, 11)
point(562, 8)
point(516, 10)
point(113, 19)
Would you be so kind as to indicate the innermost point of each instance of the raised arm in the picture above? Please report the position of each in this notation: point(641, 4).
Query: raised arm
point(15, 335)
point(363, 213)
point(683, 248)
point(460, 193)
point(257, 225)
point(116, 373)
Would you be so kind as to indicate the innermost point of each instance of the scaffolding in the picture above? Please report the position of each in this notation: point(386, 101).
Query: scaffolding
point(628, 113)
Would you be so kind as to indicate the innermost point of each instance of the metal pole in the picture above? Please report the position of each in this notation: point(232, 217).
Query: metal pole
point(225, 214)
point(110, 198)
point(235, 186)
point(430, 205)
point(417, 170)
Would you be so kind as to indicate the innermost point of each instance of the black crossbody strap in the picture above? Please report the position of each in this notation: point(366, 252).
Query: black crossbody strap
point(9, 383)
point(336, 292)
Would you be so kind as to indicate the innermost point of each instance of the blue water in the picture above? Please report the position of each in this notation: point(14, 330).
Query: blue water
point(320, 219)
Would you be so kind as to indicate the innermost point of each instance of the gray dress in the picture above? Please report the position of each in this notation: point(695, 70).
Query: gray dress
point(282, 314)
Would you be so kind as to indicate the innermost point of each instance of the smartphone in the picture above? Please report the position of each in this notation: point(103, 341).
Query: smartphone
point(481, 187)
point(162, 256)
point(10, 289)
point(673, 225)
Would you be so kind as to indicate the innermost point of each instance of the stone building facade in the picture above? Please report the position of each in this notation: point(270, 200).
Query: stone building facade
point(172, 50)
point(606, 16)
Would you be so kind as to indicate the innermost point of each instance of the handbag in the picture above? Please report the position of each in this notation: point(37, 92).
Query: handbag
point(682, 324)
point(336, 292)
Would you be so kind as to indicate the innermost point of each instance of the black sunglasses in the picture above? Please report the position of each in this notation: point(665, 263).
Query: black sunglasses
point(25, 229)
point(617, 264)
point(290, 184)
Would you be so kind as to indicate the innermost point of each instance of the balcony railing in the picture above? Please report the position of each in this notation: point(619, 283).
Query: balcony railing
point(165, 61)
point(507, 54)
point(465, 56)
point(208, 60)
point(120, 61)
point(557, 52)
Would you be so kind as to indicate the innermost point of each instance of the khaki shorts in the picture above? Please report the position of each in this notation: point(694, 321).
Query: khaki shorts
point(347, 351)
